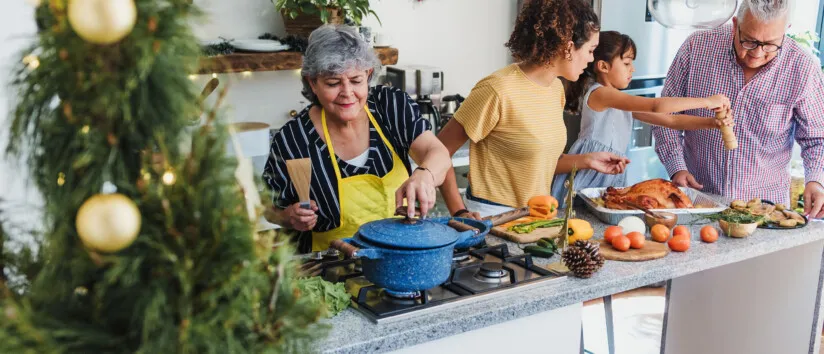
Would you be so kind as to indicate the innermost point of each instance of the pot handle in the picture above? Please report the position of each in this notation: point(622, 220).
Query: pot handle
point(352, 251)
point(457, 225)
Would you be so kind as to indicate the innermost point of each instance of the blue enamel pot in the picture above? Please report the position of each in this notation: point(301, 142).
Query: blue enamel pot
point(407, 255)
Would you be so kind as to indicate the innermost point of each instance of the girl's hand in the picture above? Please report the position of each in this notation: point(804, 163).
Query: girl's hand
point(718, 102)
point(302, 219)
point(419, 187)
point(728, 120)
point(606, 162)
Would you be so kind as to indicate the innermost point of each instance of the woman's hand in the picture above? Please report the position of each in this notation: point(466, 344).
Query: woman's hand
point(718, 102)
point(605, 162)
point(302, 219)
point(419, 187)
point(463, 213)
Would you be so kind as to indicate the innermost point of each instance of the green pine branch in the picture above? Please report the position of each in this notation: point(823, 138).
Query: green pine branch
point(196, 280)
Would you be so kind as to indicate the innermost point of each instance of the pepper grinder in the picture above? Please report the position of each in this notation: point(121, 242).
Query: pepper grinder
point(730, 142)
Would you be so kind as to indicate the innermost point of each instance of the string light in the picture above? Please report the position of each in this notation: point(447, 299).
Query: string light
point(81, 290)
point(61, 179)
point(192, 77)
point(246, 74)
point(169, 177)
point(214, 75)
point(31, 61)
point(85, 129)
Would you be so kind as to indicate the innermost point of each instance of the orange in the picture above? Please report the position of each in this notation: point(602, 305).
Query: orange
point(621, 243)
point(611, 232)
point(681, 230)
point(659, 233)
point(709, 234)
point(543, 206)
point(636, 239)
point(679, 243)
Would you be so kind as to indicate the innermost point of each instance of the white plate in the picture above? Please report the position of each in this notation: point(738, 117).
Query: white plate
point(259, 45)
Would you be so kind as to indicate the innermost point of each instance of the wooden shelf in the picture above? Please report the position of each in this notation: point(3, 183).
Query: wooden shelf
point(240, 62)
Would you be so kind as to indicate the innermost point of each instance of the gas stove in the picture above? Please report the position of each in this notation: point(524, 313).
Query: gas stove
point(478, 272)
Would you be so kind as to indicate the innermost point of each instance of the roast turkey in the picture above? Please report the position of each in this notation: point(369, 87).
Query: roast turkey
point(652, 194)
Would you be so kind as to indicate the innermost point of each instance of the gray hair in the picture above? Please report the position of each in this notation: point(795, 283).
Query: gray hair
point(332, 50)
point(764, 10)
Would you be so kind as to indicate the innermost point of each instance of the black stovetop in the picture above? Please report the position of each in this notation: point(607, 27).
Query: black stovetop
point(475, 273)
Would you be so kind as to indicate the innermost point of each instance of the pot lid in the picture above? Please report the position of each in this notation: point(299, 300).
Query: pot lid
point(409, 233)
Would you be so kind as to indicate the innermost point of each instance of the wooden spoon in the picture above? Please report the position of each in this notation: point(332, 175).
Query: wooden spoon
point(647, 211)
point(300, 172)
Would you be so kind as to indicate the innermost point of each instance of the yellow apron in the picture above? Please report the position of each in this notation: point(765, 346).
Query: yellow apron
point(363, 198)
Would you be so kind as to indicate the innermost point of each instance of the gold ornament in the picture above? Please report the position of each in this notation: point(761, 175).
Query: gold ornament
point(108, 222)
point(61, 179)
point(102, 21)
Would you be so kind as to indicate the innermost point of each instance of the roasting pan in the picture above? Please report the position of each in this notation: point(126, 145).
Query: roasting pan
point(704, 204)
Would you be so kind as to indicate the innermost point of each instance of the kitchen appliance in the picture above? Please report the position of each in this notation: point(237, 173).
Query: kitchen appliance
point(476, 273)
point(424, 84)
point(449, 106)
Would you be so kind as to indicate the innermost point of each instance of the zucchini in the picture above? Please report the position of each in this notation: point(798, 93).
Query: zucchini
point(539, 251)
point(547, 243)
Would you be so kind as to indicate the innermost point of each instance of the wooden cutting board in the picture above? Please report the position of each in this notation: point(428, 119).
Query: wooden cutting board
point(502, 232)
point(652, 250)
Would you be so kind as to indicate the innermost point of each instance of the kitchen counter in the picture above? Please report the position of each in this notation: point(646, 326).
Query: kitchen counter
point(353, 333)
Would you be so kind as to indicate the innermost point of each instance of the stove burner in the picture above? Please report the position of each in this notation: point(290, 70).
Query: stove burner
point(402, 294)
point(492, 272)
point(460, 257)
point(404, 298)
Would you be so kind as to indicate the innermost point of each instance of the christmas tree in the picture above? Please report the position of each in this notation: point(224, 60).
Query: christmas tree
point(149, 243)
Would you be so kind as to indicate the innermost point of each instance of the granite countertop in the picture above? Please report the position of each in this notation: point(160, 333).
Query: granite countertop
point(353, 333)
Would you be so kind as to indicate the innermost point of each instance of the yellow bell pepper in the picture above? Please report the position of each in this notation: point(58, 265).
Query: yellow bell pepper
point(579, 230)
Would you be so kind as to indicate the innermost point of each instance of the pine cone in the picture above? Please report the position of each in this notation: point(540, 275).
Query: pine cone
point(583, 258)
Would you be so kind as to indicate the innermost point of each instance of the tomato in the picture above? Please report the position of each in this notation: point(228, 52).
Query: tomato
point(611, 232)
point(659, 233)
point(681, 230)
point(709, 234)
point(636, 239)
point(621, 243)
point(679, 243)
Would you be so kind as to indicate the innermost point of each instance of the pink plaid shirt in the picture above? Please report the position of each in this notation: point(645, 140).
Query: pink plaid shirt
point(782, 102)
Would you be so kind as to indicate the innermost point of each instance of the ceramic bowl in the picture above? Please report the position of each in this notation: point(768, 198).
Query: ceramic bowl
point(737, 230)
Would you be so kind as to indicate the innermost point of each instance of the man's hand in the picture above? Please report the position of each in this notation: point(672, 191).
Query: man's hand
point(606, 162)
point(814, 200)
point(686, 179)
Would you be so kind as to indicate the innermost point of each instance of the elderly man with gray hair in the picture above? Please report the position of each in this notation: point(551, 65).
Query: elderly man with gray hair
point(777, 94)
point(359, 140)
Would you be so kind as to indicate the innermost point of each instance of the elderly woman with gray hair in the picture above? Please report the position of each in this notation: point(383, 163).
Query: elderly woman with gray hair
point(359, 138)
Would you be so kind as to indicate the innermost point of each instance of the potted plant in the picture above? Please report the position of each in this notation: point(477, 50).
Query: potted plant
point(301, 17)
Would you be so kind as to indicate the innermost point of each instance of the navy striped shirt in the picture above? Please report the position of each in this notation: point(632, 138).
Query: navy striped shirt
point(400, 121)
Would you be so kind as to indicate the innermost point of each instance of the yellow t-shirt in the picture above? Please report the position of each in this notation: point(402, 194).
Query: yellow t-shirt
point(517, 135)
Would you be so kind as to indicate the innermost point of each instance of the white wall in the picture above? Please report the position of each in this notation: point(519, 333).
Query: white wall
point(17, 28)
point(804, 15)
point(463, 37)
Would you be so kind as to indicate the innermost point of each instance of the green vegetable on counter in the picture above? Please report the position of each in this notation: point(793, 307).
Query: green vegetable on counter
point(531, 226)
point(333, 296)
point(735, 216)
point(539, 251)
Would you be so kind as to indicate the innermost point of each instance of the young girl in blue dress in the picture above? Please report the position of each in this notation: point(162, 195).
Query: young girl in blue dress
point(607, 113)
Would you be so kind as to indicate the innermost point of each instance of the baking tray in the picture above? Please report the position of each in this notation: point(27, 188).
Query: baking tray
point(704, 205)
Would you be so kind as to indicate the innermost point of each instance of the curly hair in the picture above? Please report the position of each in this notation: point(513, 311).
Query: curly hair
point(545, 26)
